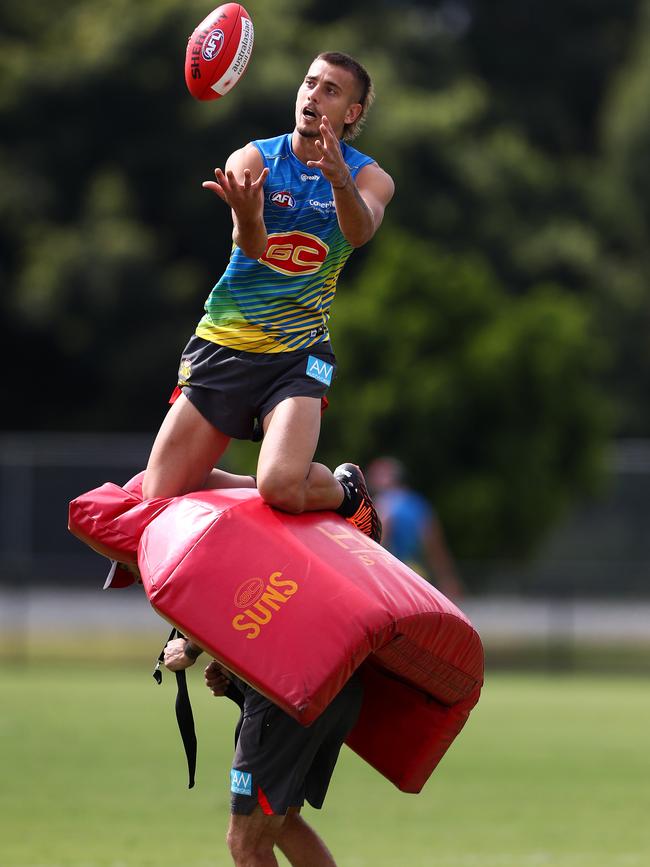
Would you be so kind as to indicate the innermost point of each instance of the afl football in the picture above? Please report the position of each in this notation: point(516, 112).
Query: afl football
point(218, 52)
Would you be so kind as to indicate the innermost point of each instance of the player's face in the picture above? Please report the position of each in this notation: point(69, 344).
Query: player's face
point(327, 90)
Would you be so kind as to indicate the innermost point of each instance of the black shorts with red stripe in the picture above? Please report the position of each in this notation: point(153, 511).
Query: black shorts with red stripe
point(279, 763)
point(235, 390)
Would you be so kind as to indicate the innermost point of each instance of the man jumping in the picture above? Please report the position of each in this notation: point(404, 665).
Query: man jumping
point(260, 361)
point(259, 365)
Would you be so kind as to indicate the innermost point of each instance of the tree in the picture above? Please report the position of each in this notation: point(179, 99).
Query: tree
point(492, 404)
point(108, 245)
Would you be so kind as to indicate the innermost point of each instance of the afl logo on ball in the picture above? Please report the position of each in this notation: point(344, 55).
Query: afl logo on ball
point(283, 199)
point(249, 592)
point(212, 45)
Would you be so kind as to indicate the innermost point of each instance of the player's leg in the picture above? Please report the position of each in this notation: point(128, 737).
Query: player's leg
point(251, 839)
point(223, 479)
point(301, 844)
point(287, 478)
point(184, 453)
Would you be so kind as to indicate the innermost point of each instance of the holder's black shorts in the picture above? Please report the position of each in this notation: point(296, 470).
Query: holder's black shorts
point(234, 390)
point(278, 763)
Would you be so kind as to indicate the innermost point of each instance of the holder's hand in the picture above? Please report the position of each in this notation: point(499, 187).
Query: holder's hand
point(175, 658)
point(216, 678)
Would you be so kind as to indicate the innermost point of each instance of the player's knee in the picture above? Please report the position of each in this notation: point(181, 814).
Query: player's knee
point(236, 845)
point(282, 493)
point(246, 849)
point(150, 488)
point(157, 485)
point(233, 844)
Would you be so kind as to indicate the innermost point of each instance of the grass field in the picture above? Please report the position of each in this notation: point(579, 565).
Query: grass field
point(547, 772)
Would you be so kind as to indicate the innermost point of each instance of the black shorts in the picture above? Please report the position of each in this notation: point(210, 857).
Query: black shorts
point(278, 763)
point(234, 390)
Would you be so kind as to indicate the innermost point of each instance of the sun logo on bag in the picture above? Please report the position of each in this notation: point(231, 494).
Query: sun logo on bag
point(261, 602)
point(249, 592)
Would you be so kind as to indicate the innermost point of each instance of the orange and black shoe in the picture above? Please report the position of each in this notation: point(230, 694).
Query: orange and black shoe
point(357, 507)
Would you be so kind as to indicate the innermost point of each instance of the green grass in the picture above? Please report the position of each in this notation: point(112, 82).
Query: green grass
point(547, 772)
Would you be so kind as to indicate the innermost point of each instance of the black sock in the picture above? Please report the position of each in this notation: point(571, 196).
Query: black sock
point(349, 505)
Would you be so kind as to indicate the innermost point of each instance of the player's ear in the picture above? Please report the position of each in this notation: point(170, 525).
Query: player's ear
point(353, 112)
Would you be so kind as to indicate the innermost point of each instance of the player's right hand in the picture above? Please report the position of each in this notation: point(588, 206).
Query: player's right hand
point(246, 198)
point(216, 678)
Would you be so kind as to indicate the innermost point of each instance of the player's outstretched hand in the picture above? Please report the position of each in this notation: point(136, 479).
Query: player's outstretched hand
point(216, 678)
point(331, 163)
point(247, 198)
point(175, 657)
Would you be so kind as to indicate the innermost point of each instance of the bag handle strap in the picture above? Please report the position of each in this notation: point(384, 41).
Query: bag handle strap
point(184, 716)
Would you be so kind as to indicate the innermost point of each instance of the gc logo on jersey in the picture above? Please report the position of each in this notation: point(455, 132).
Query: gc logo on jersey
point(283, 199)
point(294, 253)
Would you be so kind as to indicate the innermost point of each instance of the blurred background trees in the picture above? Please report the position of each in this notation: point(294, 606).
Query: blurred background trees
point(494, 335)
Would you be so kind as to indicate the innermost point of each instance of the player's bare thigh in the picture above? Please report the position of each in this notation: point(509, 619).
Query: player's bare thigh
point(185, 450)
point(287, 478)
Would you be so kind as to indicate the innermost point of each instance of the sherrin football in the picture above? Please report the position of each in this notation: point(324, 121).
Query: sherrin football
point(218, 52)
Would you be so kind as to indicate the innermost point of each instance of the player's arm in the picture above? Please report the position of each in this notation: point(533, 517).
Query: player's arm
point(360, 202)
point(241, 186)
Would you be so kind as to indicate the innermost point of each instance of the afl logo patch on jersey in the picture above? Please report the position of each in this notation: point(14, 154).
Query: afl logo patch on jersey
point(283, 199)
point(294, 253)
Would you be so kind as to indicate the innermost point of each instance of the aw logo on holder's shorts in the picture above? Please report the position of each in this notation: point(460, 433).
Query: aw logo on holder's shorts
point(320, 370)
point(241, 782)
point(294, 253)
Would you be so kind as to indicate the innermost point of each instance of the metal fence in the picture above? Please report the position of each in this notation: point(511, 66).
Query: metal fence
point(589, 588)
point(39, 475)
point(601, 550)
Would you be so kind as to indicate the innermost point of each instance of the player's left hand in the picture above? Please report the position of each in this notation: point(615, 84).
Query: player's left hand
point(174, 655)
point(331, 163)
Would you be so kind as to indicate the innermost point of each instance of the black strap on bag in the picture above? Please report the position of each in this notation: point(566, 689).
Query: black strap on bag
point(184, 716)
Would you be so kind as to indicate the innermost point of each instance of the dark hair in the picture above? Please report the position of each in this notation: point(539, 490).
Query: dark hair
point(366, 89)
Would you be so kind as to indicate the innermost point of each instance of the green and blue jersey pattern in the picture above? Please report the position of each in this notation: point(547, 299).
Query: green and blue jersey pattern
point(281, 301)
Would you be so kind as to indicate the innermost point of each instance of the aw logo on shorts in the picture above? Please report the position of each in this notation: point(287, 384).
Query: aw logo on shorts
point(320, 370)
point(241, 783)
point(294, 253)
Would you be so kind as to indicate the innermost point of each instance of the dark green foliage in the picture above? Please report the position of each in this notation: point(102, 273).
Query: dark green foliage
point(491, 402)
